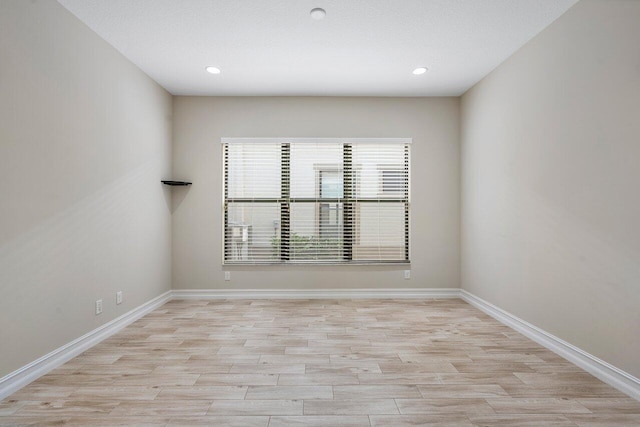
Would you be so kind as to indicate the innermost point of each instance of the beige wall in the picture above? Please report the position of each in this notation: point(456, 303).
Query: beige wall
point(551, 176)
point(200, 122)
point(85, 137)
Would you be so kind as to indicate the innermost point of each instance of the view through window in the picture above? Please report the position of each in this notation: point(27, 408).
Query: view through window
point(316, 200)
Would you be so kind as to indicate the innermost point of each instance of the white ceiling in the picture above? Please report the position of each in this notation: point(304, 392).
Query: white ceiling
point(273, 47)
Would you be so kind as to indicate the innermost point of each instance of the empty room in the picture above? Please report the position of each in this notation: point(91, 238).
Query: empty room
point(333, 213)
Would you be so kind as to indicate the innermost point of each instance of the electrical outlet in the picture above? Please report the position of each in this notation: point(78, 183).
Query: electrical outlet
point(407, 274)
point(98, 306)
point(119, 297)
point(227, 275)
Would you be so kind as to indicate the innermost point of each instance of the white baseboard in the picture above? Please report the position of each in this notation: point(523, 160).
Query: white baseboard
point(405, 293)
point(14, 381)
point(606, 372)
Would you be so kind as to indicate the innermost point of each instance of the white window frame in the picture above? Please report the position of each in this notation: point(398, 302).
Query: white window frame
point(345, 141)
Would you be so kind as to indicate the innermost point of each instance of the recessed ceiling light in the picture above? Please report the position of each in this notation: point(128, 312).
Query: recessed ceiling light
point(420, 70)
point(213, 70)
point(318, 13)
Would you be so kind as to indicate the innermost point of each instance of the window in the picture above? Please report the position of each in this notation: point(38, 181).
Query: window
point(316, 200)
point(330, 219)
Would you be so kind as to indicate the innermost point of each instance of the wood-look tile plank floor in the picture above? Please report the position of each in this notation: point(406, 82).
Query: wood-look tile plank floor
point(318, 363)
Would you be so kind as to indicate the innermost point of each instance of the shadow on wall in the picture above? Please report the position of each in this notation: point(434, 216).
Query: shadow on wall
point(73, 250)
point(175, 196)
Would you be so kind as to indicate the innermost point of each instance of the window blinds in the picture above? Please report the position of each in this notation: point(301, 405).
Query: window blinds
point(316, 200)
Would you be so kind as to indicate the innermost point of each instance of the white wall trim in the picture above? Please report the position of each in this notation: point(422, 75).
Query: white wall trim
point(15, 380)
point(226, 140)
point(428, 293)
point(606, 372)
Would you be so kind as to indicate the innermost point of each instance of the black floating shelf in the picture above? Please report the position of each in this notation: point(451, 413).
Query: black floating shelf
point(177, 183)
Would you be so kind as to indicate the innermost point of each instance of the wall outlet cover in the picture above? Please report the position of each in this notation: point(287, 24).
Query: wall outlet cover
point(119, 297)
point(227, 275)
point(98, 306)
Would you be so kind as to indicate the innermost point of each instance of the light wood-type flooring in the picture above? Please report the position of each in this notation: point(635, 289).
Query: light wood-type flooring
point(331, 363)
